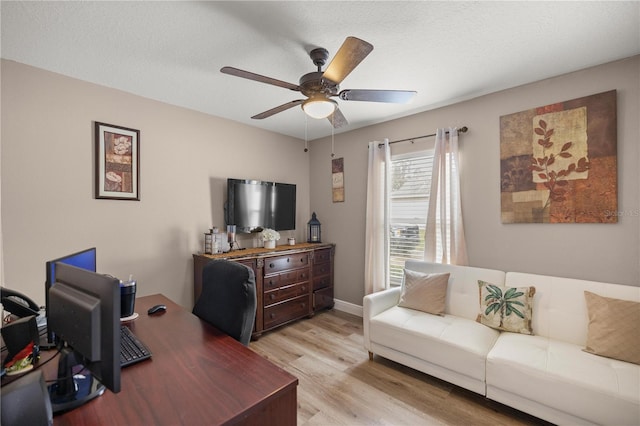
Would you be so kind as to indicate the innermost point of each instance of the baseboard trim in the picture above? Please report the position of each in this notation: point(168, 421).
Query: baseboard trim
point(350, 308)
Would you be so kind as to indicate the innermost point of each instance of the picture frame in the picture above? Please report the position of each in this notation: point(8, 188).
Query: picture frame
point(337, 180)
point(558, 162)
point(117, 167)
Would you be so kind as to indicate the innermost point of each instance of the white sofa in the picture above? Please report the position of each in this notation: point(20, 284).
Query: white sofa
point(546, 374)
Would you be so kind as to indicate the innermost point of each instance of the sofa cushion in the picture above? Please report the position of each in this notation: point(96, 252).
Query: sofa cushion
point(455, 343)
point(506, 308)
point(562, 376)
point(559, 306)
point(613, 327)
point(424, 292)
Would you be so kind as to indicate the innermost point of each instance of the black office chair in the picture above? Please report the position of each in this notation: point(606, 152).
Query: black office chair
point(228, 298)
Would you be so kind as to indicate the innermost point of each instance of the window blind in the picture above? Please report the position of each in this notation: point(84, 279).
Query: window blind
point(409, 201)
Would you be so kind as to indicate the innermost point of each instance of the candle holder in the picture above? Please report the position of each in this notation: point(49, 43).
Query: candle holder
point(313, 230)
point(231, 236)
point(208, 243)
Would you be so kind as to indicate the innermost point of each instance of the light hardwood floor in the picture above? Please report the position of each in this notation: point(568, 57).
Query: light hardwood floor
point(338, 385)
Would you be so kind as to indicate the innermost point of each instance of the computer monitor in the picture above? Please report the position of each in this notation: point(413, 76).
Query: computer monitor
point(85, 259)
point(84, 314)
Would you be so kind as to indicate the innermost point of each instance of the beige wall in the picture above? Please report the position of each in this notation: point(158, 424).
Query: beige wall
point(48, 208)
point(596, 252)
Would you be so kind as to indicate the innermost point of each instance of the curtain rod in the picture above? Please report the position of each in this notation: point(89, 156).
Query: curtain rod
point(462, 129)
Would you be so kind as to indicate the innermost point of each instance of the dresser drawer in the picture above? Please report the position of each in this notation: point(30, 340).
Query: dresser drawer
point(321, 282)
point(321, 269)
point(286, 311)
point(323, 299)
point(322, 256)
point(251, 263)
point(284, 263)
point(285, 278)
point(284, 293)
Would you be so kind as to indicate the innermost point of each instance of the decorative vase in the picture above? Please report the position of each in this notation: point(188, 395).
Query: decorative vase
point(270, 244)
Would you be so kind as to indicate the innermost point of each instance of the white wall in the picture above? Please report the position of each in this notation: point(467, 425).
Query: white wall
point(599, 252)
point(48, 205)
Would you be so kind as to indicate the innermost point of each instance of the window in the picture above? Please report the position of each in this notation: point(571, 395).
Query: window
point(409, 201)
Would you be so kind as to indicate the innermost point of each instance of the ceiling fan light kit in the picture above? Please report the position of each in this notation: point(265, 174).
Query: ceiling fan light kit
point(320, 86)
point(319, 107)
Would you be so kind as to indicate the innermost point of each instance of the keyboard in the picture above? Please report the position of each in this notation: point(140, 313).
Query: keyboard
point(132, 350)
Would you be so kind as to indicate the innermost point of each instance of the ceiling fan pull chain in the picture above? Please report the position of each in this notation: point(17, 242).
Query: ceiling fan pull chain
point(306, 147)
point(332, 132)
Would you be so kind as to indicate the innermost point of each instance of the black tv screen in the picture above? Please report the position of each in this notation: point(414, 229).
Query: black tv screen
point(255, 204)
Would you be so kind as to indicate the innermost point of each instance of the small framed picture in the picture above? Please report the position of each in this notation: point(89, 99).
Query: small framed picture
point(117, 162)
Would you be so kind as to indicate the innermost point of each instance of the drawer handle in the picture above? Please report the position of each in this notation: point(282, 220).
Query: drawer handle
point(273, 296)
point(304, 305)
point(302, 259)
point(303, 276)
point(271, 282)
point(273, 316)
point(288, 260)
point(271, 265)
point(304, 288)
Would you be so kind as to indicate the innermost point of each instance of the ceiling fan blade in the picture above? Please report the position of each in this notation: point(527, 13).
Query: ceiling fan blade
point(278, 109)
point(337, 119)
point(391, 96)
point(350, 54)
point(260, 78)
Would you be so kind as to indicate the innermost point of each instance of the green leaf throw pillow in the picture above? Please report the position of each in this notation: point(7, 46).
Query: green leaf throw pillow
point(506, 308)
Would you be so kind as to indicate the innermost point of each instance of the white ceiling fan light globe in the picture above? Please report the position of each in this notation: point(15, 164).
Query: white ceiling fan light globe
point(319, 107)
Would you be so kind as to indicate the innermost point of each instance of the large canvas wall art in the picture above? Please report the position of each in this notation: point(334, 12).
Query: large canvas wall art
point(558, 163)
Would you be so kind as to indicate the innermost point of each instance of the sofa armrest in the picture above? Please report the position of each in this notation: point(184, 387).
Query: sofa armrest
point(375, 303)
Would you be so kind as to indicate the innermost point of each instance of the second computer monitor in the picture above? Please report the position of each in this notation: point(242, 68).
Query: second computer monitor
point(85, 259)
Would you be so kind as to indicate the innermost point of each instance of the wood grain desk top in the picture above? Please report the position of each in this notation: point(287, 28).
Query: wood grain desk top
point(197, 376)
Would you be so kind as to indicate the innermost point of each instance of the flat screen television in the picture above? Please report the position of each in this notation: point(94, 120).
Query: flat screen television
point(253, 204)
point(84, 313)
point(85, 259)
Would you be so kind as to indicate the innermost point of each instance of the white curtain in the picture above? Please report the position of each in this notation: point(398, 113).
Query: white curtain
point(377, 235)
point(444, 236)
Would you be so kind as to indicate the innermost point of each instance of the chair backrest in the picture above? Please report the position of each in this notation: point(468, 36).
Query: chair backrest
point(228, 298)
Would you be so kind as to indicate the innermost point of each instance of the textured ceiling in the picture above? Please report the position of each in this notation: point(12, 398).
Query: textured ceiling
point(447, 51)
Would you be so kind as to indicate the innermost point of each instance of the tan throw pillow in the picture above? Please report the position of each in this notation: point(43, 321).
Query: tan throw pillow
point(506, 308)
point(424, 292)
point(614, 328)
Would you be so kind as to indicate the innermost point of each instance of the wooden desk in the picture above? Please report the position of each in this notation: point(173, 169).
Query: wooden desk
point(197, 376)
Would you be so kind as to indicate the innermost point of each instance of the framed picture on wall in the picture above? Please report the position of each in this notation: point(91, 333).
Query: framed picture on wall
point(558, 162)
point(117, 162)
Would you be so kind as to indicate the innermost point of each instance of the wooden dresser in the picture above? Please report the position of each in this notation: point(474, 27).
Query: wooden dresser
point(292, 282)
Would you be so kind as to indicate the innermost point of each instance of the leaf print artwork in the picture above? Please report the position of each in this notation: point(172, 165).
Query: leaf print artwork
point(554, 180)
point(558, 163)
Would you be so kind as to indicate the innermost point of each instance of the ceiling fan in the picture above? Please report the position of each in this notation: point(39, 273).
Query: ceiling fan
point(320, 86)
